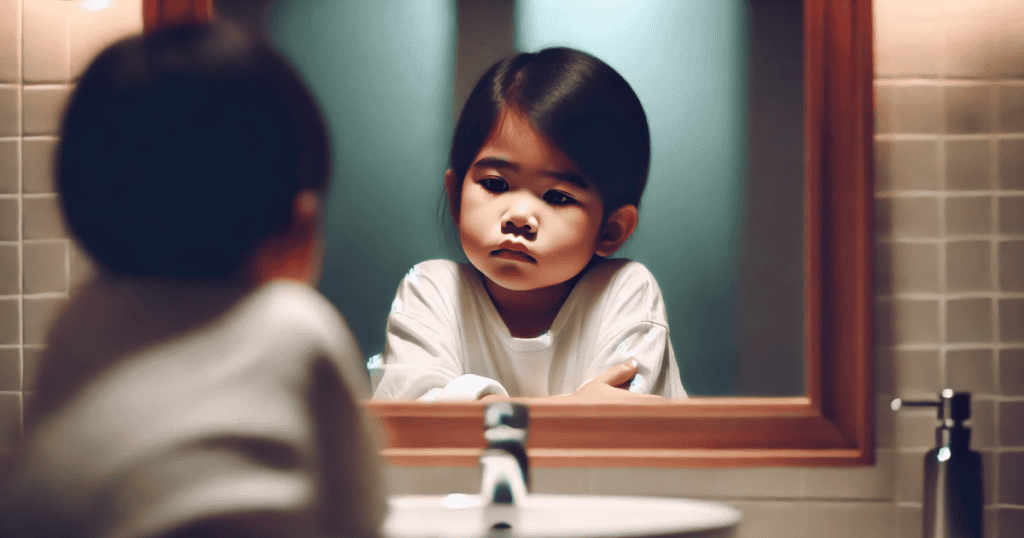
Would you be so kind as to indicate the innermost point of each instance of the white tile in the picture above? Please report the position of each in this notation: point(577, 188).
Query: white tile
point(47, 56)
point(906, 43)
point(1009, 36)
point(95, 25)
point(8, 111)
point(401, 480)
point(38, 165)
point(568, 480)
point(870, 483)
point(770, 519)
point(9, 179)
point(10, 42)
point(849, 519)
point(44, 107)
point(767, 482)
point(969, 39)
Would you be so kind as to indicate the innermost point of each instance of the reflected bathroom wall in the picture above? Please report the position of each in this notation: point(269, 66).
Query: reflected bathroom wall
point(386, 76)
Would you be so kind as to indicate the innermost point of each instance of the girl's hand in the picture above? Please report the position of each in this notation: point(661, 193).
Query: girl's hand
point(612, 386)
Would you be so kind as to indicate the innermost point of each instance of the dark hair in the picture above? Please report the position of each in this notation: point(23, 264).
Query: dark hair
point(579, 103)
point(180, 151)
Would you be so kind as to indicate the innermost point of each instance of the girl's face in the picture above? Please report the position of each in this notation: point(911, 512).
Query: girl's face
point(527, 220)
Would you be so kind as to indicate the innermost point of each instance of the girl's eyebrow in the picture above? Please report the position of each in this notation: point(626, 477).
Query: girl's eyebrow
point(502, 164)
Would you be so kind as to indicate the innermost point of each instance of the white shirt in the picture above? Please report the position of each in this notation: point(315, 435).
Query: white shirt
point(446, 341)
point(251, 421)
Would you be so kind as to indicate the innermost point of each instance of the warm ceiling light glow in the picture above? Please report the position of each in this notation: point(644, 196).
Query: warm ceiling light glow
point(95, 5)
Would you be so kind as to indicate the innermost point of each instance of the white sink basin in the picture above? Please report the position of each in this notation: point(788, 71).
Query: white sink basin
point(557, 516)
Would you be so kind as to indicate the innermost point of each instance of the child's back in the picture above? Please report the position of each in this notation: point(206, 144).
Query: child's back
point(197, 385)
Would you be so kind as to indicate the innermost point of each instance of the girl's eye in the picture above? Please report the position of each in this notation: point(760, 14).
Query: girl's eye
point(494, 184)
point(558, 198)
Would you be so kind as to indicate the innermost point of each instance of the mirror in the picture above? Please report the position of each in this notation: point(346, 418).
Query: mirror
point(827, 420)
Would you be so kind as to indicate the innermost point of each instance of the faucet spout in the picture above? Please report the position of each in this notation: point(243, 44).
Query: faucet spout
point(504, 467)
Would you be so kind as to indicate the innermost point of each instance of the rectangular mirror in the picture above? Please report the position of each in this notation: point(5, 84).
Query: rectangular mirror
point(801, 114)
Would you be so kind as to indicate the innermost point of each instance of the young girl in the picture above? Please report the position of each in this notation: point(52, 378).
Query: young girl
point(547, 167)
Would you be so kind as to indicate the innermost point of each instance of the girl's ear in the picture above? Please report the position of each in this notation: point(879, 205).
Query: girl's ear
point(449, 186)
point(296, 254)
point(616, 230)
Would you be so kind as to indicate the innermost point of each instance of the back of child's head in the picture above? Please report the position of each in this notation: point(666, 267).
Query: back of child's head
point(576, 101)
point(182, 150)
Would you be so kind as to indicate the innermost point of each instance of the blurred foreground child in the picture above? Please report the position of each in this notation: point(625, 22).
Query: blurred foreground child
point(198, 385)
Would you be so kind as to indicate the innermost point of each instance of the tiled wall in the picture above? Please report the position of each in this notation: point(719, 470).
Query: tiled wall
point(950, 154)
point(44, 47)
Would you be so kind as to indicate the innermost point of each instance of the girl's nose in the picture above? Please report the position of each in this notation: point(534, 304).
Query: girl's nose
point(520, 219)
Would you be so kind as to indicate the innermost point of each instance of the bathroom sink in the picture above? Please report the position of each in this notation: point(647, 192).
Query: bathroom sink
point(557, 516)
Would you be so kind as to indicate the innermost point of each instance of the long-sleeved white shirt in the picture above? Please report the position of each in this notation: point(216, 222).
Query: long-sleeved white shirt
point(445, 339)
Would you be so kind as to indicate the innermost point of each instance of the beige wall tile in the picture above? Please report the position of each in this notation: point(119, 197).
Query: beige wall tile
point(10, 420)
point(10, 40)
point(1011, 464)
point(43, 219)
point(908, 218)
point(910, 475)
point(10, 326)
point(982, 423)
point(968, 109)
point(1011, 109)
point(908, 321)
point(915, 267)
point(770, 519)
point(908, 108)
point(80, 266)
point(1008, 23)
point(884, 268)
point(906, 43)
point(1011, 372)
point(1011, 164)
point(885, 423)
point(909, 521)
point(971, 215)
point(30, 365)
point(969, 320)
point(874, 482)
point(10, 182)
point(91, 30)
point(968, 39)
point(1011, 320)
point(1011, 214)
point(907, 165)
point(10, 270)
point(47, 54)
point(38, 165)
point(10, 368)
point(43, 108)
point(918, 374)
point(467, 479)
point(967, 266)
point(573, 481)
point(1011, 265)
point(915, 428)
point(971, 370)
point(968, 165)
point(418, 480)
point(39, 314)
point(1011, 424)
point(46, 267)
point(1011, 522)
point(10, 219)
point(769, 482)
point(849, 519)
point(885, 372)
point(9, 111)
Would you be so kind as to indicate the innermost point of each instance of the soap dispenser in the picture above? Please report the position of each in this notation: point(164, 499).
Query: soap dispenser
point(952, 471)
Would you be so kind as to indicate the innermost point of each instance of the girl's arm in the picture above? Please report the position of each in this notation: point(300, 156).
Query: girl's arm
point(421, 349)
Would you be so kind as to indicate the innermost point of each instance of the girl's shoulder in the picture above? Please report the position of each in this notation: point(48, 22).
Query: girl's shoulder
point(442, 274)
point(618, 273)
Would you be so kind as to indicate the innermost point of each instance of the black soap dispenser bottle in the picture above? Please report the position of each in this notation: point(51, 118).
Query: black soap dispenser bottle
point(952, 471)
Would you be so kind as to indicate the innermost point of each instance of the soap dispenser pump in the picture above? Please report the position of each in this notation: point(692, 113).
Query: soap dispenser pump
point(952, 471)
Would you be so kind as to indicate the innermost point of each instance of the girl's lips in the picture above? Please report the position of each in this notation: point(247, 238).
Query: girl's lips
point(513, 255)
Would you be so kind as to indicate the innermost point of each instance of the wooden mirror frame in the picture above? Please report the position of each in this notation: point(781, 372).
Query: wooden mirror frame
point(833, 424)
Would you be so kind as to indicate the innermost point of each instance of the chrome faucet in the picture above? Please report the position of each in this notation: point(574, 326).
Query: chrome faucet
point(504, 468)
